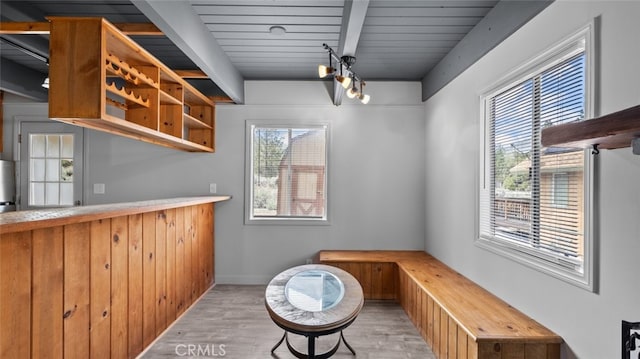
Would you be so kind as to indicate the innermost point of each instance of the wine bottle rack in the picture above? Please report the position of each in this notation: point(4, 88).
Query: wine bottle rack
point(127, 94)
point(127, 72)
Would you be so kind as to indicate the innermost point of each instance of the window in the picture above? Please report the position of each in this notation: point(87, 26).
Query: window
point(287, 173)
point(560, 187)
point(51, 170)
point(535, 201)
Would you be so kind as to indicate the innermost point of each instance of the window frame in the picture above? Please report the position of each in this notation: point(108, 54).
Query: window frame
point(537, 259)
point(249, 218)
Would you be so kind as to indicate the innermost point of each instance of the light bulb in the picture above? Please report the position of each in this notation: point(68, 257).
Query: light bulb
point(352, 92)
point(344, 81)
point(45, 84)
point(364, 98)
point(324, 71)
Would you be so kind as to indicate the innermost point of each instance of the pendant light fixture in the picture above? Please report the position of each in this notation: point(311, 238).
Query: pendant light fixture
point(324, 71)
point(346, 77)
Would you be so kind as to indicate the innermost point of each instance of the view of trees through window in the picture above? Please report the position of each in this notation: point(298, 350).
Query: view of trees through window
point(288, 172)
point(269, 144)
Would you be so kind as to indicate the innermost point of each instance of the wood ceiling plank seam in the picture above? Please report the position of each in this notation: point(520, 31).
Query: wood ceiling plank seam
point(332, 3)
point(429, 12)
point(270, 20)
point(268, 36)
point(416, 29)
point(434, 21)
point(268, 10)
point(264, 27)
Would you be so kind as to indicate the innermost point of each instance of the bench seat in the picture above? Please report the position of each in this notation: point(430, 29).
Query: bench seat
point(455, 316)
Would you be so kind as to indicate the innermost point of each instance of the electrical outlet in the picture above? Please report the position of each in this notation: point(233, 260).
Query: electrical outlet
point(630, 340)
point(212, 188)
point(309, 261)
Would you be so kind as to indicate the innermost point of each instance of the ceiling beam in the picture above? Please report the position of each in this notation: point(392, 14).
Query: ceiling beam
point(21, 80)
point(353, 15)
point(44, 28)
point(191, 74)
point(179, 22)
point(502, 21)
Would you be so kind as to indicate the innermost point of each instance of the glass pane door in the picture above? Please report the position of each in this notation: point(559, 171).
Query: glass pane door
point(51, 165)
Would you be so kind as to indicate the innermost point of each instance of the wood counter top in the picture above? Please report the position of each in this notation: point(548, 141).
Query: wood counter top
point(42, 218)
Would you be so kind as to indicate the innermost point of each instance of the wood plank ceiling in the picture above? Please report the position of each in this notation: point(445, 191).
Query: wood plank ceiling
point(400, 39)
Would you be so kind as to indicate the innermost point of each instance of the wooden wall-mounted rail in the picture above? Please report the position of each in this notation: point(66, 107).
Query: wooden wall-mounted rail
point(615, 130)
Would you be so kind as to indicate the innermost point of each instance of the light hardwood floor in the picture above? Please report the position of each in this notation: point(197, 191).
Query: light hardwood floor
point(231, 321)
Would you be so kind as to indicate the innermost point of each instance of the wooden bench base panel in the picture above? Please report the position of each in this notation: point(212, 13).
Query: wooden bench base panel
point(379, 274)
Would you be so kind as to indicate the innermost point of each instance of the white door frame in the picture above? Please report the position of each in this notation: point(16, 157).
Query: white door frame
point(18, 121)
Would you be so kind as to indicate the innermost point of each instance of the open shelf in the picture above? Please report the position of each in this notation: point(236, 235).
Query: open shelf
point(615, 130)
point(131, 93)
point(193, 122)
point(165, 98)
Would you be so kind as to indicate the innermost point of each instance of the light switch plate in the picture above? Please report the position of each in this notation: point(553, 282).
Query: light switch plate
point(212, 188)
point(98, 188)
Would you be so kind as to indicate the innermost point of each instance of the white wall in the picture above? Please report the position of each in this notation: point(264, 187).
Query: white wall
point(588, 322)
point(376, 174)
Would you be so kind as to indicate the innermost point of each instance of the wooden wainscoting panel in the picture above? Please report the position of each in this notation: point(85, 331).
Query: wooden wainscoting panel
point(444, 333)
point(161, 272)
point(100, 291)
point(180, 264)
point(193, 247)
point(436, 330)
point(452, 338)
point(366, 276)
point(212, 244)
point(462, 342)
point(389, 280)
point(46, 295)
point(119, 286)
point(171, 265)
point(103, 287)
point(15, 295)
point(188, 257)
point(148, 278)
point(430, 320)
point(419, 311)
point(77, 269)
point(135, 285)
point(472, 349)
point(197, 250)
point(488, 350)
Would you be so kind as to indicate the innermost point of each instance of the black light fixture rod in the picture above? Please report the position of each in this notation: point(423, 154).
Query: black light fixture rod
point(342, 62)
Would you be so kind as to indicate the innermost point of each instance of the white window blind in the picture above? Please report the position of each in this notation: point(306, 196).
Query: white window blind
point(533, 199)
point(288, 172)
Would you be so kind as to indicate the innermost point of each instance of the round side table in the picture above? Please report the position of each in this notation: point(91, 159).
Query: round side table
point(313, 300)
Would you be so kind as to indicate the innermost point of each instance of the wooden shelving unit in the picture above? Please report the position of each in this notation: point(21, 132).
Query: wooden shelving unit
point(101, 79)
point(615, 130)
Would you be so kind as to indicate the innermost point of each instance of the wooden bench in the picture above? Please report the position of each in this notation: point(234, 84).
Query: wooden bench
point(455, 316)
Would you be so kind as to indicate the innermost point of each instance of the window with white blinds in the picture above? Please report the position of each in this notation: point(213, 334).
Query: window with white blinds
point(534, 201)
point(287, 170)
